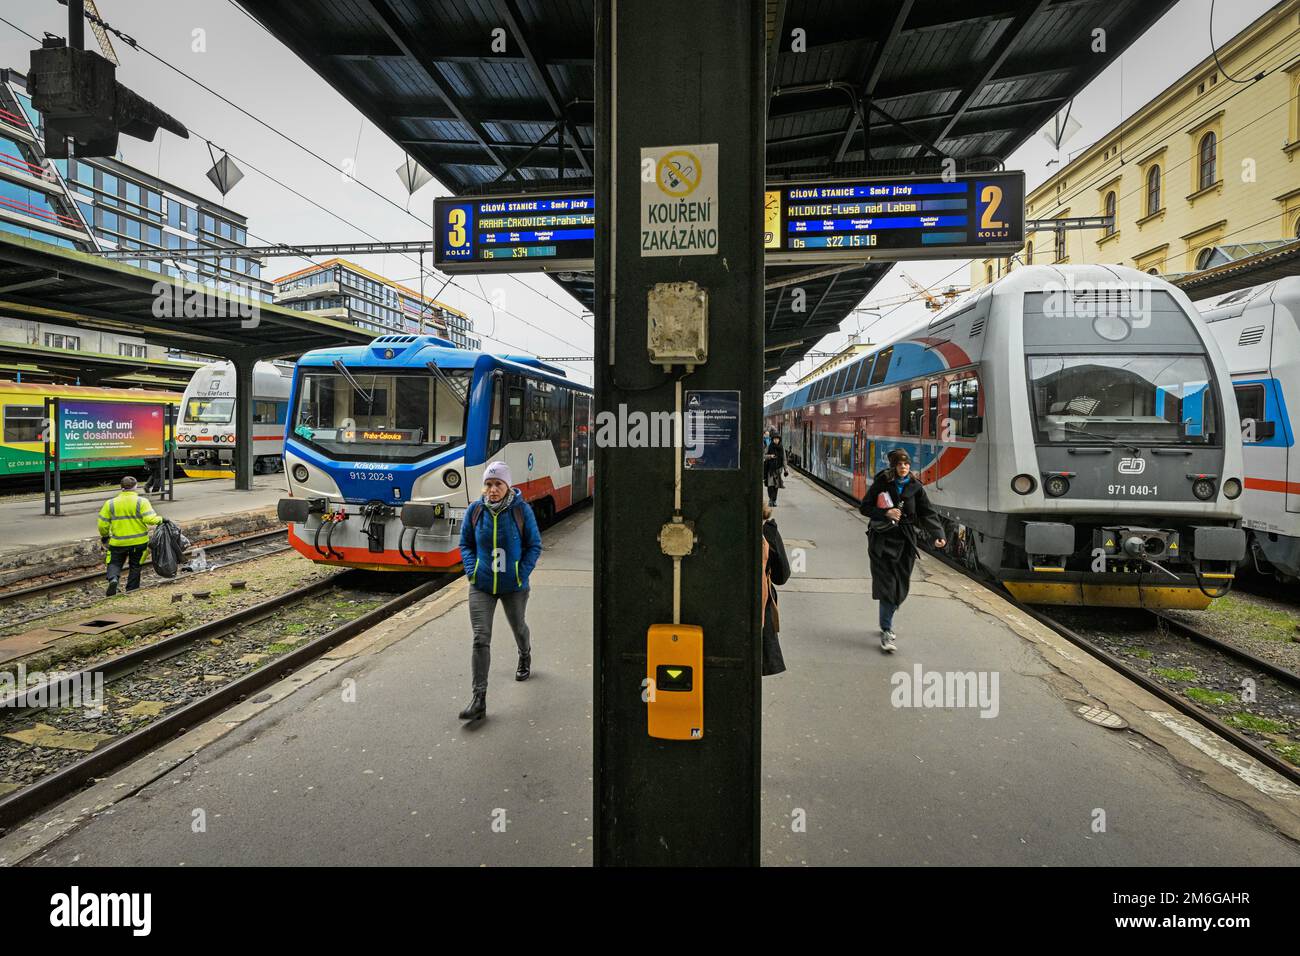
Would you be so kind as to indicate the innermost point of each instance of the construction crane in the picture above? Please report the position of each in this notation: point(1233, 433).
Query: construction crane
point(933, 301)
point(101, 36)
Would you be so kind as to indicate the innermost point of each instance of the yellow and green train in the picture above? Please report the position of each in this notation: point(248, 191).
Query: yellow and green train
point(22, 411)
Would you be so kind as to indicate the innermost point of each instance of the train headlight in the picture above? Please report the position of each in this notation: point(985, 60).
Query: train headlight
point(451, 478)
point(1204, 488)
point(1023, 484)
point(1056, 485)
point(1231, 488)
point(300, 473)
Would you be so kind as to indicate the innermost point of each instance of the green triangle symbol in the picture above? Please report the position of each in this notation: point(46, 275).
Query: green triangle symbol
point(674, 674)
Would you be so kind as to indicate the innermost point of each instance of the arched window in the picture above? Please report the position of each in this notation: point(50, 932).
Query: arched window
point(988, 273)
point(1203, 257)
point(1029, 253)
point(1153, 271)
point(1208, 167)
point(1059, 242)
point(1110, 211)
point(1153, 191)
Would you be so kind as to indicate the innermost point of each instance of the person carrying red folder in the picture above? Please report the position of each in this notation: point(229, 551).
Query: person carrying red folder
point(899, 510)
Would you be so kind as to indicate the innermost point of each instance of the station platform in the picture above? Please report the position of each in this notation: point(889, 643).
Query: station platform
point(360, 758)
point(31, 537)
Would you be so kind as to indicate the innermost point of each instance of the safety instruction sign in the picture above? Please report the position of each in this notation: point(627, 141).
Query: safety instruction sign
point(679, 200)
point(712, 430)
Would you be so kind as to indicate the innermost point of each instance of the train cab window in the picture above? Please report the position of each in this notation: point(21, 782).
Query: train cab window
point(1250, 405)
point(209, 411)
point(882, 365)
point(372, 414)
point(23, 422)
point(911, 410)
point(1161, 399)
point(933, 431)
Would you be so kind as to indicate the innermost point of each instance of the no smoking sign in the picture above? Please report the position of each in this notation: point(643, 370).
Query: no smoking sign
point(679, 200)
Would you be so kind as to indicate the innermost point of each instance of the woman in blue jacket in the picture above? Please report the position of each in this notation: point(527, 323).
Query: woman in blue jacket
point(500, 545)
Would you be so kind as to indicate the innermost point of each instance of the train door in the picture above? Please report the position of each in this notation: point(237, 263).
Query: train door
point(581, 444)
point(805, 455)
point(497, 417)
point(860, 477)
point(933, 433)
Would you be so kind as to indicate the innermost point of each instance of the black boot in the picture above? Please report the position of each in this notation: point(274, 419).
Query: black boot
point(477, 707)
point(525, 667)
point(112, 589)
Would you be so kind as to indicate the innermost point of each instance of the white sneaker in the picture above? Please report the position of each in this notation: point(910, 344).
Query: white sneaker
point(887, 644)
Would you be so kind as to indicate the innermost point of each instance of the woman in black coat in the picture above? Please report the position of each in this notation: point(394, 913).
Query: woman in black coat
point(773, 467)
point(892, 536)
point(776, 570)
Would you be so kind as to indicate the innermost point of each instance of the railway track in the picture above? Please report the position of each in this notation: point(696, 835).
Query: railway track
point(189, 673)
point(1136, 657)
point(258, 544)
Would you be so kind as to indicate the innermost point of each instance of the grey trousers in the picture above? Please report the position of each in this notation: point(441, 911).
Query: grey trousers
point(482, 609)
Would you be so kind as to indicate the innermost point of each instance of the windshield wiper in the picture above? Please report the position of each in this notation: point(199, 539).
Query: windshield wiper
point(442, 377)
point(1068, 426)
point(343, 370)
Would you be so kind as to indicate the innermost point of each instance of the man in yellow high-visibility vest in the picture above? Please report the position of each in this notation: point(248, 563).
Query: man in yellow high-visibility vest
point(124, 524)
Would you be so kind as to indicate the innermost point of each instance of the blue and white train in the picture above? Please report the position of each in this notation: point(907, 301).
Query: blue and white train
point(386, 444)
point(1258, 330)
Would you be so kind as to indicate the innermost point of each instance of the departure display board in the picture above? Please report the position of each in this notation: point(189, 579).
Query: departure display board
point(515, 233)
point(904, 217)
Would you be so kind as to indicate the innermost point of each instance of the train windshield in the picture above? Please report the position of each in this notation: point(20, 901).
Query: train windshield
point(368, 415)
point(209, 411)
point(1153, 399)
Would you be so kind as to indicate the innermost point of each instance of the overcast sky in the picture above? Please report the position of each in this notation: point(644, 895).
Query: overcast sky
point(245, 64)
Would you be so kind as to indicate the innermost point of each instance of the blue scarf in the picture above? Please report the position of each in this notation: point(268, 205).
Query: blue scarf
point(899, 485)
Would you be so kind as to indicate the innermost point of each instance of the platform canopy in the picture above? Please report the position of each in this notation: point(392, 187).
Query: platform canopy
point(498, 96)
point(45, 282)
point(39, 363)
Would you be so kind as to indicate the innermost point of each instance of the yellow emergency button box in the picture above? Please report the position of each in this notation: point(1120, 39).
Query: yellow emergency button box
point(675, 681)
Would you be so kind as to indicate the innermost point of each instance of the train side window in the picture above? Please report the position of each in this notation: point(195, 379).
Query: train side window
point(562, 425)
point(23, 422)
point(963, 407)
point(934, 410)
point(882, 365)
point(1250, 405)
point(911, 410)
point(496, 425)
point(515, 407)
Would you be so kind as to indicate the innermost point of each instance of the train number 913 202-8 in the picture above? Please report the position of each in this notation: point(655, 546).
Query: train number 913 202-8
point(1143, 490)
point(370, 476)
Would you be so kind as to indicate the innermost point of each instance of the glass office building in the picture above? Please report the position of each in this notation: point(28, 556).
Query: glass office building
point(343, 290)
point(100, 204)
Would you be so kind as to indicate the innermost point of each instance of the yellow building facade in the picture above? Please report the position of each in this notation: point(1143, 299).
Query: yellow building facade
point(1207, 163)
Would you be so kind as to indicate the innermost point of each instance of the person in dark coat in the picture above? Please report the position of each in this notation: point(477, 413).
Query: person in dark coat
point(776, 570)
point(892, 536)
point(773, 468)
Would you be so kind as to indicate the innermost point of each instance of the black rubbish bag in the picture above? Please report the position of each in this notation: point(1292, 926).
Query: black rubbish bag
point(167, 544)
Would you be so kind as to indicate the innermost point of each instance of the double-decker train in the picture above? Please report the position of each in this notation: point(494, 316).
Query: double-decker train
point(205, 437)
point(386, 444)
point(1074, 425)
point(1258, 329)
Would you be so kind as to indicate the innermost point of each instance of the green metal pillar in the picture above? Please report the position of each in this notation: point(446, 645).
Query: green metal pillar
point(666, 76)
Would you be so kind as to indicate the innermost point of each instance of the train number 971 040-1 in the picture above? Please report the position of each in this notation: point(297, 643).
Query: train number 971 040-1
point(1142, 490)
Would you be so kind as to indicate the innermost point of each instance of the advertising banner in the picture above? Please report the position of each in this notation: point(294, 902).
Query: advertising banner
point(96, 429)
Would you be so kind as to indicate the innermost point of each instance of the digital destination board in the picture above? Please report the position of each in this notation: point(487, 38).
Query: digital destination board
point(515, 233)
point(904, 217)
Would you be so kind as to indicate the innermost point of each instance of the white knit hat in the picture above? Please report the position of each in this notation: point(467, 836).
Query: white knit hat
point(498, 470)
